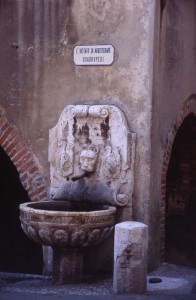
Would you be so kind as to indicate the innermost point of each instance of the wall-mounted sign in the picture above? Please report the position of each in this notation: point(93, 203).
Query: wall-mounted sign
point(97, 55)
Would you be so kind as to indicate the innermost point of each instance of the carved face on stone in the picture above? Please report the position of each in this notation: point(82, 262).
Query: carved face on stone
point(88, 158)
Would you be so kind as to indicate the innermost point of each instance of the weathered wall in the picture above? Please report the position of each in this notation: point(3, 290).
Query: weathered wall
point(174, 83)
point(38, 77)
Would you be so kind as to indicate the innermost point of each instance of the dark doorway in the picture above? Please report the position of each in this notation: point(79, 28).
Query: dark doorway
point(180, 243)
point(17, 252)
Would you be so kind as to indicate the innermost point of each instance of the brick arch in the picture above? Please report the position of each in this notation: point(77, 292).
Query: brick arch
point(22, 156)
point(188, 108)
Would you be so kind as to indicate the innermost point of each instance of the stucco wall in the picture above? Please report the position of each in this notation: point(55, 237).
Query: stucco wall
point(174, 83)
point(38, 76)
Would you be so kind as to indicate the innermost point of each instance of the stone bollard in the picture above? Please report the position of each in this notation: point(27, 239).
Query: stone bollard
point(130, 258)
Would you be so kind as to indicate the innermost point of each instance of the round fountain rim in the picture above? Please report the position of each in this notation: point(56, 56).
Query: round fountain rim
point(25, 207)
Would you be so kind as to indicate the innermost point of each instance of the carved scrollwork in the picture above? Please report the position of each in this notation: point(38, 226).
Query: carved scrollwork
point(60, 237)
point(98, 112)
point(112, 163)
point(93, 237)
point(64, 159)
point(45, 236)
point(32, 233)
point(78, 237)
point(105, 233)
point(121, 199)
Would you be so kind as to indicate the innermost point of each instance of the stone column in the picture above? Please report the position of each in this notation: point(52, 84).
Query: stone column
point(67, 266)
point(130, 258)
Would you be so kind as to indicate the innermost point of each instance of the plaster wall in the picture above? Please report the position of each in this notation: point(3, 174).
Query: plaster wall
point(38, 76)
point(174, 83)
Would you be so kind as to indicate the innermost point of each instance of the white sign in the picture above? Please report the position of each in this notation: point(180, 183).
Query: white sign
point(97, 55)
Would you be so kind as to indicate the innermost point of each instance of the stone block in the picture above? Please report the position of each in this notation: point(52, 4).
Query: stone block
point(130, 258)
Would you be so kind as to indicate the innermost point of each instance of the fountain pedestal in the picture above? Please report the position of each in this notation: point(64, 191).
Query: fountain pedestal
point(51, 223)
point(67, 265)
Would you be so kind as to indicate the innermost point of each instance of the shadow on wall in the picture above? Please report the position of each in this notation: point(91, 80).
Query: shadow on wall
point(17, 252)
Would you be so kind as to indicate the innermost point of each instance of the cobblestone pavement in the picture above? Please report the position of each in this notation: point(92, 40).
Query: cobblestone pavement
point(177, 283)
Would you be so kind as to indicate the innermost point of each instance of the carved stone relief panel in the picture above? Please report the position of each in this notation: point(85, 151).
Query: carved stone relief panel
point(91, 155)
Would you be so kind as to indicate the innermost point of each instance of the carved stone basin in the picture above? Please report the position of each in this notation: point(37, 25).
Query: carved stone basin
point(67, 224)
point(68, 227)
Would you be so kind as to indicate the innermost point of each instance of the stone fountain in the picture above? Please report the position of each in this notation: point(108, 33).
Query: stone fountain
point(91, 155)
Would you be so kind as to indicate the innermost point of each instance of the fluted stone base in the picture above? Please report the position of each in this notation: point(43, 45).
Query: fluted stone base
point(67, 266)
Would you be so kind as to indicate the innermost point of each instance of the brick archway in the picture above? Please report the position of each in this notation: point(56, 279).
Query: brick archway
point(188, 108)
point(30, 172)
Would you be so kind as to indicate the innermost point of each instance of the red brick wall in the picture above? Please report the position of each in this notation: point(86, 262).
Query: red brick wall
point(188, 107)
point(30, 172)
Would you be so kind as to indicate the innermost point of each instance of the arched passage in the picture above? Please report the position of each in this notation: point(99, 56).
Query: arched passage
point(21, 180)
point(180, 218)
point(17, 252)
point(188, 109)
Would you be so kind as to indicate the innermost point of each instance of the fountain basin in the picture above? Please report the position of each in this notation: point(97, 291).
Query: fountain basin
point(66, 224)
